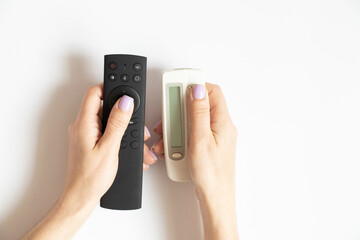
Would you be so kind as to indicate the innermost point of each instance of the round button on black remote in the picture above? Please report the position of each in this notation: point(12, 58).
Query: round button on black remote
point(120, 91)
point(124, 77)
point(137, 67)
point(134, 145)
point(137, 78)
point(112, 77)
point(112, 65)
point(135, 133)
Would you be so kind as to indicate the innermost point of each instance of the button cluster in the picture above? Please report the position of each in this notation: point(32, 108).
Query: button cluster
point(131, 136)
point(135, 134)
point(125, 77)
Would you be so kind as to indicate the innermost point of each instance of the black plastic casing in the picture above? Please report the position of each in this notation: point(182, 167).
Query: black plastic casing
point(126, 191)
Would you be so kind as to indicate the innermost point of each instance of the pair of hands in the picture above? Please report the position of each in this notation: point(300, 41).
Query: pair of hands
point(93, 156)
point(93, 163)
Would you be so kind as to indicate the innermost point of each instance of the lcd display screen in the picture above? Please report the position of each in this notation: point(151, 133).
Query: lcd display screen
point(175, 117)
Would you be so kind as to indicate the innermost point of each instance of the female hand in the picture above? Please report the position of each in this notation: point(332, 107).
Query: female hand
point(211, 159)
point(92, 165)
point(93, 157)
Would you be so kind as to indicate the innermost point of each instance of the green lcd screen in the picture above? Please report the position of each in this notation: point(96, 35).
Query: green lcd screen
point(175, 117)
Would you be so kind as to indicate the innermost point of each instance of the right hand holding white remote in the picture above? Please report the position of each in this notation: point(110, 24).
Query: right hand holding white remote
point(211, 157)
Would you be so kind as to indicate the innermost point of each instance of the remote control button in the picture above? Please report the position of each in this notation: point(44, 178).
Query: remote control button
point(123, 144)
point(135, 133)
point(112, 65)
point(176, 155)
point(124, 77)
point(137, 78)
point(120, 91)
point(112, 77)
point(135, 145)
point(133, 121)
point(137, 67)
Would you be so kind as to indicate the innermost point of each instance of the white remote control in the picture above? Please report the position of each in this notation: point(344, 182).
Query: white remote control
point(176, 85)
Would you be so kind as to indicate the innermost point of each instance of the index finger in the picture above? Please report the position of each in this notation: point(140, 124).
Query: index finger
point(158, 128)
point(91, 103)
point(219, 114)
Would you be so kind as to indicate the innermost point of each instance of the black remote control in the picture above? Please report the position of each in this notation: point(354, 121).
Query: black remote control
point(126, 75)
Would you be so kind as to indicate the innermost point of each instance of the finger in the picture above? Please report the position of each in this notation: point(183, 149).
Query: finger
point(158, 128)
point(149, 157)
point(100, 112)
point(218, 107)
point(145, 167)
point(91, 103)
point(117, 123)
point(158, 148)
point(219, 113)
point(199, 113)
point(147, 134)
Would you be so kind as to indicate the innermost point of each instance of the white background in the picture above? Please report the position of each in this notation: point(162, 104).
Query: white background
point(290, 71)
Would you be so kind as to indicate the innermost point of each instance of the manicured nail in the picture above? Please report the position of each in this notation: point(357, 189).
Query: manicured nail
point(157, 124)
point(147, 131)
point(199, 91)
point(125, 103)
point(153, 155)
point(152, 147)
point(145, 166)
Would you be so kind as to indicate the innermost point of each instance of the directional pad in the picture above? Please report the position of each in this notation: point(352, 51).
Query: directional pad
point(118, 92)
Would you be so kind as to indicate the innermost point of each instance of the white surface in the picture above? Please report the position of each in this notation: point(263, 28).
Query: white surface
point(290, 73)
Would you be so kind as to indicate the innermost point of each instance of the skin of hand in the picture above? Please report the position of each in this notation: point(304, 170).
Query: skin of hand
point(92, 165)
point(211, 157)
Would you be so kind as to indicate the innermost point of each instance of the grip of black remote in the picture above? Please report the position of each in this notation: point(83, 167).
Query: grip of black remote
point(126, 191)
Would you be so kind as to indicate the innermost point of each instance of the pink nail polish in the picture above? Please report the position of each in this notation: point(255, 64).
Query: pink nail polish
point(157, 124)
point(147, 131)
point(199, 91)
point(153, 155)
point(152, 147)
point(125, 103)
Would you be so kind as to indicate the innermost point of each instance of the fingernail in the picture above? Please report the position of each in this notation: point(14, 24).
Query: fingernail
point(199, 91)
point(153, 155)
point(125, 103)
point(157, 124)
point(152, 147)
point(147, 131)
point(145, 166)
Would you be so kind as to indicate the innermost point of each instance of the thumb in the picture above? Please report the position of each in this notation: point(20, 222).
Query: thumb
point(117, 122)
point(199, 112)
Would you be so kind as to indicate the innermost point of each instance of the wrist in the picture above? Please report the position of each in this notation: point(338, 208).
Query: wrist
point(213, 201)
point(218, 211)
point(74, 202)
point(64, 219)
point(214, 194)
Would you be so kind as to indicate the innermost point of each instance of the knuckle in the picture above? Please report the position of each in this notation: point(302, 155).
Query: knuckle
point(91, 90)
point(117, 124)
point(201, 112)
point(217, 88)
point(217, 91)
point(230, 128)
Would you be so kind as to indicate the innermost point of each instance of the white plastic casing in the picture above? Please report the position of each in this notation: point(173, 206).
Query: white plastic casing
point(178, 170)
